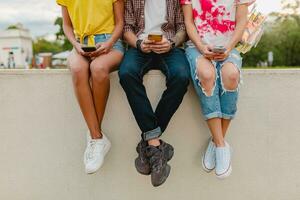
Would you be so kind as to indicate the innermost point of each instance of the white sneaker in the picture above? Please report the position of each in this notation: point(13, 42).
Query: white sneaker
point(95, 153)
point(88, 137)
point(209, 157)
point(223, 161)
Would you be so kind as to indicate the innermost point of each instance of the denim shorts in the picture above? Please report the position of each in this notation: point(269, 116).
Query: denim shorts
point(222, 103)
point(103, 38)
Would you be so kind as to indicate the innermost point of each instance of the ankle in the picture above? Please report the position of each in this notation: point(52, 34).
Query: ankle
point(96, 135)
point(154, 142)
point(220, 143)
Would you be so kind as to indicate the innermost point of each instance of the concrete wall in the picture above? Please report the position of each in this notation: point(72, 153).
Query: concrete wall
point(42, 139)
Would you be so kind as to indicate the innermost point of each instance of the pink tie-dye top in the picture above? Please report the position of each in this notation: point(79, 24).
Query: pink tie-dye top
point(215, 19)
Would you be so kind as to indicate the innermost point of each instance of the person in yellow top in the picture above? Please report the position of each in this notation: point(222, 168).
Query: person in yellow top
point(97, 24)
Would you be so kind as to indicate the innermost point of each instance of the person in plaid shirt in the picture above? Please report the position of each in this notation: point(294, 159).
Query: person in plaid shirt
point(141, 19)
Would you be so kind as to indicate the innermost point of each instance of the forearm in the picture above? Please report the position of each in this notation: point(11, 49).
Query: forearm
point(119, 21)
point(193, 35)
point(69, 33)
point(241, 22)
point(117, 33)
point(179, 38)
point(130, 38)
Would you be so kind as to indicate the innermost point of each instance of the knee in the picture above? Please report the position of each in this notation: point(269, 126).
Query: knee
point(181, 78)
point(79, 74)
point(126, 74)
point(99, 73)
point(231, 79)
point(207, 77)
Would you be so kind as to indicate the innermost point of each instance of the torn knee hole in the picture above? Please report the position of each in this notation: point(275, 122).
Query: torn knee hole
point(231, 83)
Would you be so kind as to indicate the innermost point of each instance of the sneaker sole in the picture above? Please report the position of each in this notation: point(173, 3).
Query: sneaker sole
point(204, 167)
point(106, 150)
point(166, 177)
point(226, 174)
point(229, 170)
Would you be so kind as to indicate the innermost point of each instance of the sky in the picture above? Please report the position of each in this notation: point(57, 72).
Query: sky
point(39, 15)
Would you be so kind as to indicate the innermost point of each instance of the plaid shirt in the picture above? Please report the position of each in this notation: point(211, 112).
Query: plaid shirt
point(135, 18)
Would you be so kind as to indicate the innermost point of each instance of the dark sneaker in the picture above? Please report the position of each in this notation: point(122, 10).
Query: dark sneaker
point(168, 150)
point(142, 164)
point(160, 170)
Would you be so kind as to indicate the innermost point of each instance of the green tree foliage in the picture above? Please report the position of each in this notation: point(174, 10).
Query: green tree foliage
point(41, 45)
point(282, 37)
point(66, 45)
point(12, 27)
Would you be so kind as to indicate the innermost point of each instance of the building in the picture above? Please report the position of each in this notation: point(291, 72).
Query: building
point(16, 48)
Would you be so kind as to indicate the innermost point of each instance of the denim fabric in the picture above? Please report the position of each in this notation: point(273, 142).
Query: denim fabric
point(222, 103)
point(103, 38)
point(135, 65)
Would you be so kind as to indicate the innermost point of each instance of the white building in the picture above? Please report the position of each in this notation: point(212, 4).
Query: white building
point(15, 48)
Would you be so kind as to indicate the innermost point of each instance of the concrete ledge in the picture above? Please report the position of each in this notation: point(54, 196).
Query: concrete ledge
point(43, 138)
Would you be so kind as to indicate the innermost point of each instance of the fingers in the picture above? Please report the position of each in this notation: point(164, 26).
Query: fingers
point(98, 52)
point(147, 42)
point(160, 47)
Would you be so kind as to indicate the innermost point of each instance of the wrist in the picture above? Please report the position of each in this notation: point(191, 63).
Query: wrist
point(229, 47)
point(200, 47)
point(138, 44)
point(74, 43)
point(110, 42)
point(172, 43)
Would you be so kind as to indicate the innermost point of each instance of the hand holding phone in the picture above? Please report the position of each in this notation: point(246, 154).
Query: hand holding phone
point(219, 49)
point(89, 49)
point(156, 37)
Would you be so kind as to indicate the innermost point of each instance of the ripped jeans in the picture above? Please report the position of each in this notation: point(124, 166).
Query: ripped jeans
point(222, 103)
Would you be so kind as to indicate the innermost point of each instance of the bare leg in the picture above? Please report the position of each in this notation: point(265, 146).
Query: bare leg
point(79, 67)
point(215, 127)
point(230, 78)
point(154, 142)
point(101, 67)
point(207, 75)
point(225, 125)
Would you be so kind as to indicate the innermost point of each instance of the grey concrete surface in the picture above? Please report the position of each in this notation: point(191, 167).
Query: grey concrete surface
point(42, 139)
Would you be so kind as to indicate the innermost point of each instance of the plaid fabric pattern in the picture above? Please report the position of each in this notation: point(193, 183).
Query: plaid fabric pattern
point(135, 18)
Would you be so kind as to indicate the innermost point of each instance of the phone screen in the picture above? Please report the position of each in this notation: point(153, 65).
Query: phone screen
point(155, 37)
point(219, 49)
point(89, 49)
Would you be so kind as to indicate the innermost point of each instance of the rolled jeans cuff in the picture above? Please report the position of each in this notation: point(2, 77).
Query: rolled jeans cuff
point(153, 134)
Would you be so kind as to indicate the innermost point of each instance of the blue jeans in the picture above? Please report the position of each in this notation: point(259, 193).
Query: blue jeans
point(222, 103)
point(135, 65)
point(103, 38)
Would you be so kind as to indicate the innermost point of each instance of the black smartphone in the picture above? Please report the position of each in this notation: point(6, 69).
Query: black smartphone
point(89, 48)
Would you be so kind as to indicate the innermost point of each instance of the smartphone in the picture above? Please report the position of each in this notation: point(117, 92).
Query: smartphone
point(219, 49)
point(157, 37)
point(89, 48)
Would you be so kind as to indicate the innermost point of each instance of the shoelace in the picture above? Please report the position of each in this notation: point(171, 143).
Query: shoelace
point(91, 149)
point(156, 161)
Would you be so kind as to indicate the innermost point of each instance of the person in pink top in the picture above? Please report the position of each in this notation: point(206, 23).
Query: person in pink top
point(214, 28)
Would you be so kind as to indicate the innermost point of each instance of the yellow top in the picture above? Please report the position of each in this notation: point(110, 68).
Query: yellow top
point(90, 17)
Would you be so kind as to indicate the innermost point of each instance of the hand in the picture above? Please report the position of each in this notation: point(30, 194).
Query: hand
point(206, 51)
point(102, 48)
point(163, 46)
point(222, 56)
point(145, 45)
point(78, 47)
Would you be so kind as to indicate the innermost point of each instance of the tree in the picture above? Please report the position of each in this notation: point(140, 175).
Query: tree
point(281, 37)
point(60, 35)
point(41, 45)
